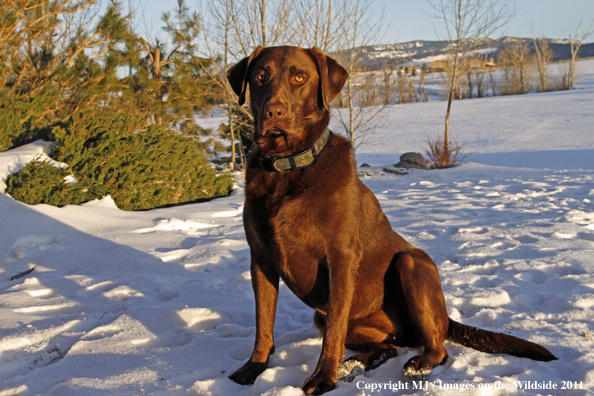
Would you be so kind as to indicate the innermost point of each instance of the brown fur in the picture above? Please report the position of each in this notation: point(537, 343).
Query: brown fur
point(323, 232)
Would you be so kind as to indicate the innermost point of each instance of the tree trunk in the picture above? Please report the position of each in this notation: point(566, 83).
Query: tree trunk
point(351, 115)
point(541, 67)
point(157, 76)
point(479, 83)
point(229, 98)
point(571, 74)
point(231, 131)
point(469, 84)
point(327, 38)
point(446, 136)
point(263, 21)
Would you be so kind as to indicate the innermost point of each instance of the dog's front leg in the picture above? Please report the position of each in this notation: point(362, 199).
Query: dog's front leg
point(342, 270)
point(265, 282)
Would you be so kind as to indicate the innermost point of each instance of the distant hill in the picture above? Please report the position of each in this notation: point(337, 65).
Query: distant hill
point(419, 52)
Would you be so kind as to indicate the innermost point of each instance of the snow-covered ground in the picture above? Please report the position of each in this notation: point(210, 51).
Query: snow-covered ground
point(160, 302)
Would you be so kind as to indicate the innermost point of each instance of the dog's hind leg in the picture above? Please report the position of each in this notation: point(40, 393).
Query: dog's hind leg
point(371, 337)
point(426, 307)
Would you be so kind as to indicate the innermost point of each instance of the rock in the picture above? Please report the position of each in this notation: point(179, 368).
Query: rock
point(365, 166)
point(412, 160)
point(395, 171)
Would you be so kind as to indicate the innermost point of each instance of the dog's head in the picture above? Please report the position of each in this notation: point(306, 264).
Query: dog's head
point(290, 90)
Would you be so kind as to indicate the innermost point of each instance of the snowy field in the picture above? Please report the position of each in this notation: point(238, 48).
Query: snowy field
point(160, 302)
point(552, 130)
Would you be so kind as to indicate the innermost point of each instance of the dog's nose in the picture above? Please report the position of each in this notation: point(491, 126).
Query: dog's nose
point(276, 111)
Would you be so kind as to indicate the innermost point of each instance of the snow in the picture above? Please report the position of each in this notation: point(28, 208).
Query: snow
point(160, 302)
point(15, 160)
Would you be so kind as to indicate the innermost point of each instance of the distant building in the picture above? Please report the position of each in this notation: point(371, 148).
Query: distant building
point(490, 64)
point(438, 66)
point(473, 64)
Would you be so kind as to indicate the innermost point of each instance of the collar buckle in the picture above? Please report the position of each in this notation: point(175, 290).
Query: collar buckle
point(292, 162)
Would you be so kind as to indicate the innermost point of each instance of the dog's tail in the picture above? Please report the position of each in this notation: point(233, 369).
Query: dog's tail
point(492, 342)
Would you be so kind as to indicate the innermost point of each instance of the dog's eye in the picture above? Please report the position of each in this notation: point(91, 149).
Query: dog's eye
point(261, 77)
point(299, 79)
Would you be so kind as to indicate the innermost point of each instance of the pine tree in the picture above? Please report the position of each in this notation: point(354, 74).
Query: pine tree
point(132, 137)
point(170, 85)
point(44, 71)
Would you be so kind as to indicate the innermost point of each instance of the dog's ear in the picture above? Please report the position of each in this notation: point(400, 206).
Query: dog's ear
point(238, 75)
point(332, 77)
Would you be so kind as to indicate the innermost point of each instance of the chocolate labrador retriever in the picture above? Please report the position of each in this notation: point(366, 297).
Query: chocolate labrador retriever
point(310, 221)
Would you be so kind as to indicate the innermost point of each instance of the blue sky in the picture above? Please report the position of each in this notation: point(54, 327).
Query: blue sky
point(408, 19)
point(551, 18)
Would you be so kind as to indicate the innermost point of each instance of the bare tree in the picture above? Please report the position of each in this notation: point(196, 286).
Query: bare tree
point(220, 39)
point(357, 28)
point(469, 83)
point(468, 24)
point(318, 23)
point(544, 55)
point(387, 71)
point(422, 93)
point(404, 86)
point(479, 75)
point(575, 43)
point(262, 23)
point(517, 63)
point(474, 70)
point(492, 82)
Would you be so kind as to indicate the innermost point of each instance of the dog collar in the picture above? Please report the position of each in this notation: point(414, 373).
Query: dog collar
point(291, 162)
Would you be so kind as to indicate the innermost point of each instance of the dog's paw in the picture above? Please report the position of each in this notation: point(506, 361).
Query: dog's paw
point(350, 369)
point(413, 374)
point(317, 384)
point(419, 368)
point(248, 373)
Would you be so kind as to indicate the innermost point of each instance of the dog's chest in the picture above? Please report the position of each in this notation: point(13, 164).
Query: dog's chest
point(287, 229)
point(300, 244)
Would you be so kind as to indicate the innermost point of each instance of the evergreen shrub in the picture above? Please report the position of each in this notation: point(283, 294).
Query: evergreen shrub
point(141, 166)
point(22, 120)
point(39, 182)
